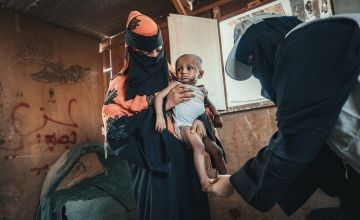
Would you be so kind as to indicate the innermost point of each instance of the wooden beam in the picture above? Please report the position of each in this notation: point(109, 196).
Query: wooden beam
point(179, 7)
point(253, 4)
point(209, 7)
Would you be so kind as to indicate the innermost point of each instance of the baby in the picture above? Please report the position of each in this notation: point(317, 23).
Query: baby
point(188, 71)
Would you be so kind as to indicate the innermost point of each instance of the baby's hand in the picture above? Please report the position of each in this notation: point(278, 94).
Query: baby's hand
point(217, 122)
point(160, 124)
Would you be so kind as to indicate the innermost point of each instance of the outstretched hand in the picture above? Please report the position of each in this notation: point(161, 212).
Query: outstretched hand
point(177, 95)
point(221, 186)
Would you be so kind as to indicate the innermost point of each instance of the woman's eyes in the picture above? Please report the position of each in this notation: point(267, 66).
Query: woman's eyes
point(144, 52)
point(159, 48)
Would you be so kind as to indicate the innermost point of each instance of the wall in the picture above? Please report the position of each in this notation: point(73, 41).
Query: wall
point(50, 99)
point(203, 41)
point(346, 6)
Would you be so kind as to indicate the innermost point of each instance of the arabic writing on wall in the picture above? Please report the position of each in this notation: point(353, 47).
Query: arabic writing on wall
point(40, 134)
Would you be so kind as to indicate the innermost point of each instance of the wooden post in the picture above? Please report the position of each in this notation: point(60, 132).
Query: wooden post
point(216, 13)
point(179, 7)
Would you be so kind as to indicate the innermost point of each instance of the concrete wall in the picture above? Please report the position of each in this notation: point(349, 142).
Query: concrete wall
point(50, 99)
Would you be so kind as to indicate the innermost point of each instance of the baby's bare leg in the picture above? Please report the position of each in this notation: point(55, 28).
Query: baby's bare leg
point(215, 151)
point(195, 142)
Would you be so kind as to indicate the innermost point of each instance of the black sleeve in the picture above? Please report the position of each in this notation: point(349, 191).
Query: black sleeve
point(135, 139)
point(264, 178)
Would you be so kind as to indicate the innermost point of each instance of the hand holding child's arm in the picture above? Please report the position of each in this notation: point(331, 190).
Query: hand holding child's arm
point(177, 95)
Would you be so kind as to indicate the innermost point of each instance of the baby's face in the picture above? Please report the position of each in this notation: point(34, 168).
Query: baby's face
point(187, 70)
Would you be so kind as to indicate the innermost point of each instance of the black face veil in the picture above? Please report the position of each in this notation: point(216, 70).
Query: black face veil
point(146, 75)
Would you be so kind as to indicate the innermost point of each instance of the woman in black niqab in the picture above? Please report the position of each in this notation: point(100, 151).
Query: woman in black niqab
point(163, 177)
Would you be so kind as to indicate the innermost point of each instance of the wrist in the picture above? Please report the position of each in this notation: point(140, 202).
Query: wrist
point(168, 105)
point(150, 99)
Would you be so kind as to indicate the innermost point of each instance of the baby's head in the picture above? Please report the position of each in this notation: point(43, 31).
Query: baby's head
point(188, 69)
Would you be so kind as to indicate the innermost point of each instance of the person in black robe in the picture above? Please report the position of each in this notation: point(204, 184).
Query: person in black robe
point(164, 179)
point(308, 72)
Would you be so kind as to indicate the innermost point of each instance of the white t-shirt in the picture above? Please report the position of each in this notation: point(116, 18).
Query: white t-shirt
point(185, 113)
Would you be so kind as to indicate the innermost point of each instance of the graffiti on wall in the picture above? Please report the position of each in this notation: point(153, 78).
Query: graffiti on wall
point(36, 49)
point(33, 130)
point(19, 94)
point(57, 73)
point(39, 50)
point(51, 139)
point(52, 96)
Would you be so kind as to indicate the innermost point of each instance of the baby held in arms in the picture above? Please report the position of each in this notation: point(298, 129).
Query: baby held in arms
point(188, 71)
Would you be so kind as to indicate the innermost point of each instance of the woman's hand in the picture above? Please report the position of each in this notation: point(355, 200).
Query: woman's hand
point(177, 95)
point(199, 128)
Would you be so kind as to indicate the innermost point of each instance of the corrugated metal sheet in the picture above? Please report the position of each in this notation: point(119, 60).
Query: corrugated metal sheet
point(96, 18)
